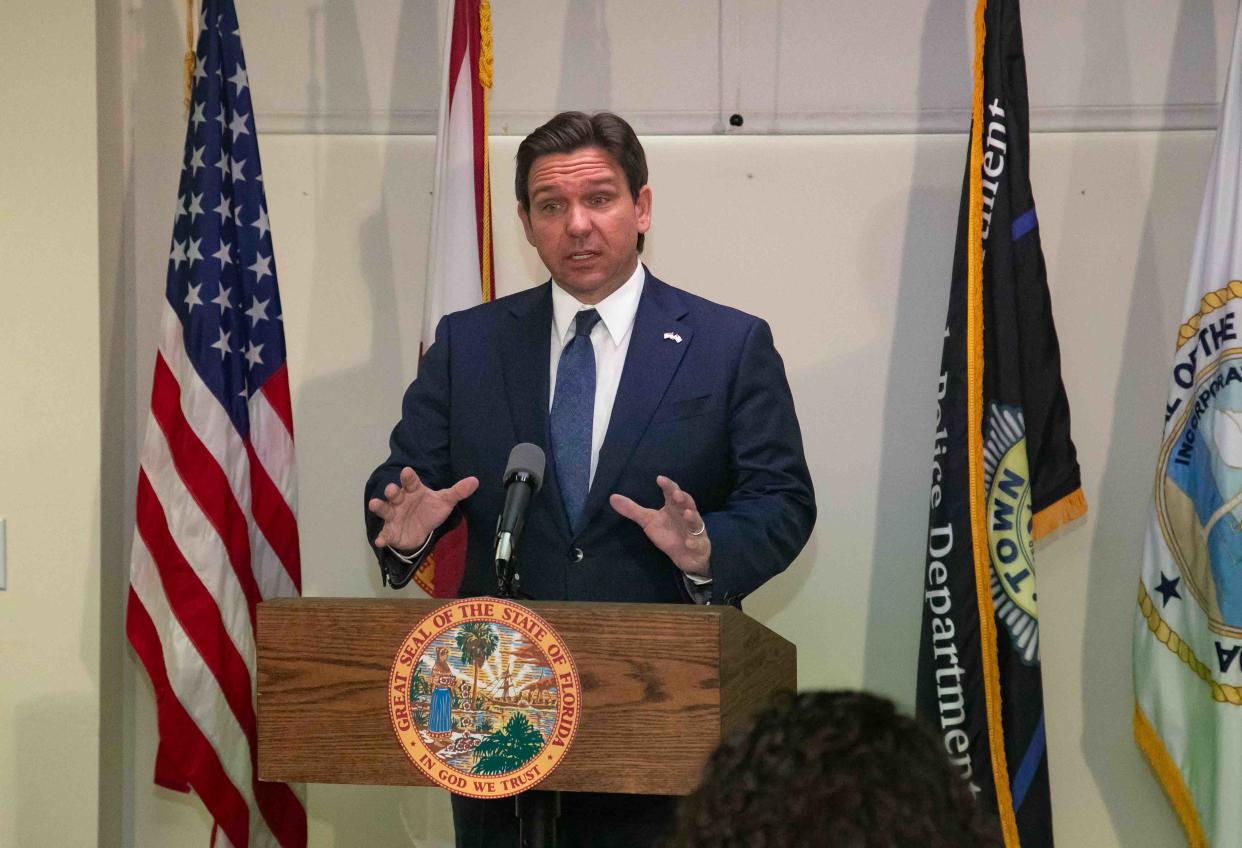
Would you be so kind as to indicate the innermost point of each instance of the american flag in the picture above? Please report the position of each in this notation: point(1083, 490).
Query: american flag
point(216, 526)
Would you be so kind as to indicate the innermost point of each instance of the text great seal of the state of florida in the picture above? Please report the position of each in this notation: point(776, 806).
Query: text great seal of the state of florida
point(484, 697)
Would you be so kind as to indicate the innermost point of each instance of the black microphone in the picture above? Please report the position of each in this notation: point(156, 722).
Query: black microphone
point(523, 477)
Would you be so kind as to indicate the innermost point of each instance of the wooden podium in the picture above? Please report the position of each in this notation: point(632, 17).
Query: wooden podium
point(661, 684)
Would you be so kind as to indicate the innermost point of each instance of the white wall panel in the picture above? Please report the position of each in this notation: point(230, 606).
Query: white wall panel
point(787, 66)
point(51, 679)
point(843, 243)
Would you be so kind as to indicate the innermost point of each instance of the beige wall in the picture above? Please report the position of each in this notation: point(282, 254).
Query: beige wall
point(823, 67)
point(843, 242)
point(50, 425)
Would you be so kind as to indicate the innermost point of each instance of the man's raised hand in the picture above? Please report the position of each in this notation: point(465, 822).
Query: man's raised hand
point(676, 528)
point(411, 512)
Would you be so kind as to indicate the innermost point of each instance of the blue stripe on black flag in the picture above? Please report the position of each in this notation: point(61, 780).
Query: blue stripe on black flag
point(1034, 751)
point(1023, 224)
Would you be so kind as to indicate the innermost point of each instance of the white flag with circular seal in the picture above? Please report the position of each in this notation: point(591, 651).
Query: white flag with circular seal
point(1188, 629)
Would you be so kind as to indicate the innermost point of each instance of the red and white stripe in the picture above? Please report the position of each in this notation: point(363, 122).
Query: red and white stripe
point(459, 266)
point(216, 534)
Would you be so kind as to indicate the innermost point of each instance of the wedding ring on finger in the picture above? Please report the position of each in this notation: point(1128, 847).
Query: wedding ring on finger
point(700, 531)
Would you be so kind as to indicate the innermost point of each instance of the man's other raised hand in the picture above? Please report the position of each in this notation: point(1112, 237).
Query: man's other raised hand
point(411, 511)
point(676, 527)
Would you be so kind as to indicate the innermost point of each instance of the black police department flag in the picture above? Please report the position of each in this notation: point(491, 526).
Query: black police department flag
point(1004, 470)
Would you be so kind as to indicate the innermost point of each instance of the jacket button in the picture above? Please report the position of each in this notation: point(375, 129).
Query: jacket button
point(575, 554)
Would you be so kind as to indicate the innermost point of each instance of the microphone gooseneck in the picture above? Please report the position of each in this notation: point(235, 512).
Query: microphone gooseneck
point(522, 479)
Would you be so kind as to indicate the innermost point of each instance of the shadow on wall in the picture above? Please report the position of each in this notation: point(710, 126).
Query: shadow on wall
point(587, 88)
point(156, 134)
point(337, 449)
point(118, 482)
point(343, 414)
point(1121, 509)
point(901, 510)
point(118, 427)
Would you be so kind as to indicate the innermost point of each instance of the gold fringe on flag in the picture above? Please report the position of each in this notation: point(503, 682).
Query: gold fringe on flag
point(974, 426)
point(1170, 778)
point(1055, 516)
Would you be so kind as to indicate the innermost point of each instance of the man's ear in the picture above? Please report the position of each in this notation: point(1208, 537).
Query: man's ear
point(643, 206)
point(524, 216)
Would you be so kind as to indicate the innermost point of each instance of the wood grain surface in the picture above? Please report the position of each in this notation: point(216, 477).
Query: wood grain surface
point(653, 705)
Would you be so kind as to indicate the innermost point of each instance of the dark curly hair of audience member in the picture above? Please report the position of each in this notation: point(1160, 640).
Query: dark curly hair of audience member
point(840, 769)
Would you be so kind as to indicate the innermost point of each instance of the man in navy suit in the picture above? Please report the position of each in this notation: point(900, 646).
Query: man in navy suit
point(675, 463)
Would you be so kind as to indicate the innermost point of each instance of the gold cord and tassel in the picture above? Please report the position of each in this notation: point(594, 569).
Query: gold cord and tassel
point(190, 57)
point(485, 44)
point(485, 82)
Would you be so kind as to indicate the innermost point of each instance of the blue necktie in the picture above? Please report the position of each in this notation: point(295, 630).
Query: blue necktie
point(573, 412)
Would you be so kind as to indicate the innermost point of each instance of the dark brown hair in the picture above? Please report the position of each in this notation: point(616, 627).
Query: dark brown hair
point(570, 131)
point(836, 769)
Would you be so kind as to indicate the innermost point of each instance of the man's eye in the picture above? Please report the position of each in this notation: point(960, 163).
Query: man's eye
point(550, 206)
point(599, 200)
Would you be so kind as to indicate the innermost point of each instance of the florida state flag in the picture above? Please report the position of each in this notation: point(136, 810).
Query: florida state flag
point(459, 268)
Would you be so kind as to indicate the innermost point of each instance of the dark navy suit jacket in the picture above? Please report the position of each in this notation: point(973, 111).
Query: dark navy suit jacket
point(712, 411)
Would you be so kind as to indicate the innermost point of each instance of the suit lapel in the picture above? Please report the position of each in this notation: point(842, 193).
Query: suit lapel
point(650, 364)
point(526, 350)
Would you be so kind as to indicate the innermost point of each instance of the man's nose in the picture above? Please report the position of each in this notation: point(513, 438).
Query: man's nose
point(579, 221)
